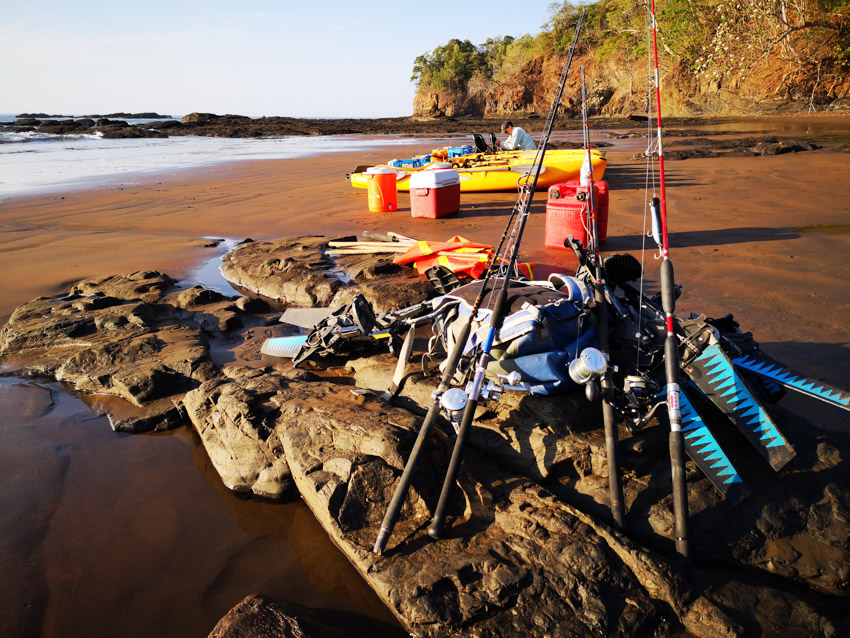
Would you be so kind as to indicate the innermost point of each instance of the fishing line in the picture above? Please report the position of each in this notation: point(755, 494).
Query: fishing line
point(649, 170)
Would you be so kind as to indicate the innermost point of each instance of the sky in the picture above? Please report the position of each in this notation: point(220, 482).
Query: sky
point(256, 57)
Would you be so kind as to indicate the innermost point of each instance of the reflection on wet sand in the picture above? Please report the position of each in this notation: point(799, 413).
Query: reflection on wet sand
point(126, 537)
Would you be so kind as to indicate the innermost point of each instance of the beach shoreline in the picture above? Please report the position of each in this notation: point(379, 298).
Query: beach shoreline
point(765, 238)
point(723, 211)
point(733, 239)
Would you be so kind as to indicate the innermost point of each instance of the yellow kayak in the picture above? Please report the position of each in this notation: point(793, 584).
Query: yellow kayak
point(501, 171)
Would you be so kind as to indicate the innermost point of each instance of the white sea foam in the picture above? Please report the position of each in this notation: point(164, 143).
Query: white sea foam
point(36, 162)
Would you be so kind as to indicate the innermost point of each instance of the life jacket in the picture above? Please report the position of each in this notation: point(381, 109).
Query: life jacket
point(458, 254)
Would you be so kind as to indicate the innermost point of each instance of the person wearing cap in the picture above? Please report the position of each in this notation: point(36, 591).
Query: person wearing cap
point(518, 139)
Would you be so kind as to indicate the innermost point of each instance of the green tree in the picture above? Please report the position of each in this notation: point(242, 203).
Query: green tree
point(450, 66)
point(494, 50)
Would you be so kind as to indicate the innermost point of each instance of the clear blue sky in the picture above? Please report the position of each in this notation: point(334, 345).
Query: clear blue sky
point(256, 57)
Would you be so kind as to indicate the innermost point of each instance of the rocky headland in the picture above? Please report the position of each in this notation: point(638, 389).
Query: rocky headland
point(530, 551)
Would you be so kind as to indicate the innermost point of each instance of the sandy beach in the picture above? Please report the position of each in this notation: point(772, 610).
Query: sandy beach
point(765, 238)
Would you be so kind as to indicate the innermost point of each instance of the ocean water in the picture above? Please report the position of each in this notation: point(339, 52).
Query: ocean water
point(32, 163)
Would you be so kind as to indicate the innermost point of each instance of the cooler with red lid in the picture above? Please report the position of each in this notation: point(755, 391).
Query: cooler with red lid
point(434, 193)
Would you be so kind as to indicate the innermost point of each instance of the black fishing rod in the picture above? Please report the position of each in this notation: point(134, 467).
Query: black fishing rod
point(609, 418)
point(449, 371)
point(658, 208)
point(400, 494)
point(522, 208)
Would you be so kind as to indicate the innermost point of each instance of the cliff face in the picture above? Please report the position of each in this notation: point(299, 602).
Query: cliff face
point(618, 89)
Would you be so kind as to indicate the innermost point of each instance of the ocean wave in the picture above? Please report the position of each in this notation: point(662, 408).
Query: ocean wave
point(17, 137)
point(38, 162)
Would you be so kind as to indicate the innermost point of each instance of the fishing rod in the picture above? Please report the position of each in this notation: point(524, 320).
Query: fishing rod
point(658, 210)
point(609, 418)
point(443, 398)
point(499, 307)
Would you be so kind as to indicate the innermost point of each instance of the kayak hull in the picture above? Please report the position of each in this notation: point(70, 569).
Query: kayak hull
point(505, 171)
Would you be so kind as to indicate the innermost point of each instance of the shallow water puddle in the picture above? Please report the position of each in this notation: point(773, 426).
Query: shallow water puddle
point(208, 274)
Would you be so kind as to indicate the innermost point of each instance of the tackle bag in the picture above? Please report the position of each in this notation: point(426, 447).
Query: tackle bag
point(543, 331)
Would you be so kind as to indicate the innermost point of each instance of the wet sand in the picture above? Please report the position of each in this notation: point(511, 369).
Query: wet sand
point(107, 534)
point(744, 232)
point(135, 535)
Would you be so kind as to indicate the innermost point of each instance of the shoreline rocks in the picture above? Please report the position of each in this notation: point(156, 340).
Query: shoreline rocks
point(296, 271)
point(528, 550)
point(258, 616)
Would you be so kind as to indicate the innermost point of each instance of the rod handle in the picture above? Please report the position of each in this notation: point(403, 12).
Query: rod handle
point(400, 494)
point(435, 529)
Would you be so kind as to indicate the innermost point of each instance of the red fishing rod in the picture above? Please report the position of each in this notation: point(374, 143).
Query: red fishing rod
point(658, 208)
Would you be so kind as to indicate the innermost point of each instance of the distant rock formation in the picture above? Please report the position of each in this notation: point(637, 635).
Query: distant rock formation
point(149, 115)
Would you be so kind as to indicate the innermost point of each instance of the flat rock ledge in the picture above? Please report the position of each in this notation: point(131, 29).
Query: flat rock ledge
point(528, 549)
point(297, 271)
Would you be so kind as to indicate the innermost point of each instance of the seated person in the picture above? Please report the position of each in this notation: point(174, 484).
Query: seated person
point(518, 139)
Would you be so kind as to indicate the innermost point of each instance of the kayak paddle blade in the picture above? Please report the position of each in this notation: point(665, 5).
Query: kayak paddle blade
point(286, 347)
point(305, 317)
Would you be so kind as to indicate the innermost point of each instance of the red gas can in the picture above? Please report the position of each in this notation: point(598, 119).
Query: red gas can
point(566, 213)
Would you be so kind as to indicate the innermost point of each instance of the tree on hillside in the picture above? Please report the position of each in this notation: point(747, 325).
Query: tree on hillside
point(494, 50)
point(792, 42)
point(799, 39)
point(797, 49)
point(449, 66)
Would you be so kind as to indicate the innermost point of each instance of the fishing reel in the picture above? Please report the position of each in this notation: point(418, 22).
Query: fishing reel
point(587, 369)
point(639, 404)
point(453, 401)
point(494, 389)
point(452, 404)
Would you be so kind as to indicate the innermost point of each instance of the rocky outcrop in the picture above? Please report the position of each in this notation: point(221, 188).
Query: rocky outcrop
point(618, 88)
point(235, 417)
point(129, 336)
point(296, 271)
point(199, 118)
point(237, 126)
point(258, 616)
point(513, 545)
point(130, 132)
point(559, 441)
point(527, 550)
point(767, 145)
